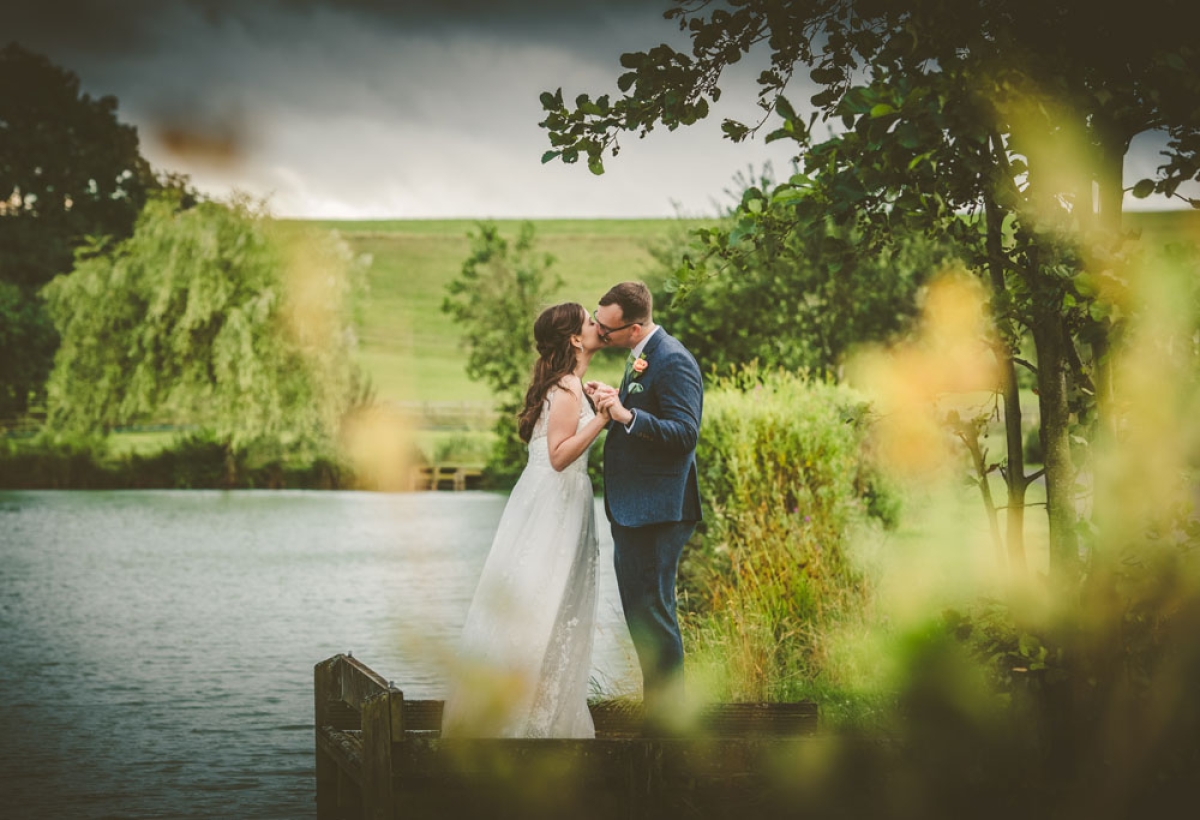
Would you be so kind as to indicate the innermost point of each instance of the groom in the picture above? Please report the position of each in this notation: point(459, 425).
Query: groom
point(651, 493)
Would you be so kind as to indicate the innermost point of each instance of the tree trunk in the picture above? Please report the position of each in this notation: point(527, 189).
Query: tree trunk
point(231, 472)
point(1050, 338)
point(1014, 474)
point(1110, 182)
point(969, 434)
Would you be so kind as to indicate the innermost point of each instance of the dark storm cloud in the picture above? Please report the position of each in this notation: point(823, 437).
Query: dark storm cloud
point(100, 26)
point(198, 58)
point(396, 108)
point(366, 107)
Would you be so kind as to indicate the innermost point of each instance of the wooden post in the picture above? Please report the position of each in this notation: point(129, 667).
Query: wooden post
point(382, 724)
point(646, 779)
point(327, 768)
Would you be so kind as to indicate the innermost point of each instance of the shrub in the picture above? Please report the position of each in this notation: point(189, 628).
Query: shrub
point(785, 478)
point(195, 460)
point(55, 463)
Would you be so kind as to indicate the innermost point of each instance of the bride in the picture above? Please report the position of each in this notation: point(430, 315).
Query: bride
point(525, 652)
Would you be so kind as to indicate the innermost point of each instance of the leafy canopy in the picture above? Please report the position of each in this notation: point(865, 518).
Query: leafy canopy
point(68, 168)
point(212, 316)
point(1012, 113)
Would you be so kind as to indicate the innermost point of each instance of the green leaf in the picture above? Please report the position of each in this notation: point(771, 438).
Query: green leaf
point(596, 165)
point(1143, 188)
point(882, 110)
point(825, 76)
point(1099, 311)
point(856, 101)
point(549, 155)
point(784, 108)
point(908, 136)
point(734, 130)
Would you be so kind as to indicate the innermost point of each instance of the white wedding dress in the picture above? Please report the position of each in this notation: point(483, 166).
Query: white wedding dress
point(525, 655)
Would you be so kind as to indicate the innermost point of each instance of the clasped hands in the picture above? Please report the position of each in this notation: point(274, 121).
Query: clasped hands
point(607, 401)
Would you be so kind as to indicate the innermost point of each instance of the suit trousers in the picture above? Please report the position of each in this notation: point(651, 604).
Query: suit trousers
point(646, 560)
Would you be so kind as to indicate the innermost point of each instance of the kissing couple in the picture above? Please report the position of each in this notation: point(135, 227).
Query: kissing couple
point(524, 658)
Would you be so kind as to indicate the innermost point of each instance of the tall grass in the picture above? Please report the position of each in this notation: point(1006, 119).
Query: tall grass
point(786, 480)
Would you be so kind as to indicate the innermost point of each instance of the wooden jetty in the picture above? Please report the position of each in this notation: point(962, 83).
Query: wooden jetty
point(380, 756)
point(446, 477)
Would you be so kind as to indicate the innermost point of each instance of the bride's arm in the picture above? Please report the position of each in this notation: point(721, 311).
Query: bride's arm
point(564, 442)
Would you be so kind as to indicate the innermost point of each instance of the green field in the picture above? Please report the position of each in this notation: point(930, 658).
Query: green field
point(411, 349)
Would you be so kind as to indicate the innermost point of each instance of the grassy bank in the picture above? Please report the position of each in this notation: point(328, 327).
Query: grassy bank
point(411, 349)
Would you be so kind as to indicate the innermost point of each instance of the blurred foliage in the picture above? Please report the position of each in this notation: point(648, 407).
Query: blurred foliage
point(462, 448)
point(211, 316)
point(501, 289)
point(786, 476)
point(1016, 117)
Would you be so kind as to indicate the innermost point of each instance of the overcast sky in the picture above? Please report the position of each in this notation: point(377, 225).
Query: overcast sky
point(397, 108)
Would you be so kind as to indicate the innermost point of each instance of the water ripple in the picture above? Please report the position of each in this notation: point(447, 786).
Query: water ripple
point(158, 646)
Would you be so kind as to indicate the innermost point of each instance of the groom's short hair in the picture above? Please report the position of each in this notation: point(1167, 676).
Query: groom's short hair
point(634, 300)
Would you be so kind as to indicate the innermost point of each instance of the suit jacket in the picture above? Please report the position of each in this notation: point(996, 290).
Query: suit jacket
point(650, 471)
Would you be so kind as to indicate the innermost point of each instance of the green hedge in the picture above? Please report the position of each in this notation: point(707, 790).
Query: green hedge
point(785, 478)
point(195, 461)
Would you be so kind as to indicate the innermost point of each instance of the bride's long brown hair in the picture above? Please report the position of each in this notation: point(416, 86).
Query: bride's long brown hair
point(556, 358)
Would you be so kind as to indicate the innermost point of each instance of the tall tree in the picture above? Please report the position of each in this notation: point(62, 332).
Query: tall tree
point(495, 299)
point(69, 170)
point(787, 301)
point(1011, 113)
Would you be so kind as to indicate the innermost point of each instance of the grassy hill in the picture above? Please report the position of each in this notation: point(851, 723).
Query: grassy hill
point(411, 348)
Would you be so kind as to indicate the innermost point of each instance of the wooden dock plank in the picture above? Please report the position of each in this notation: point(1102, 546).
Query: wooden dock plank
point(398, 765)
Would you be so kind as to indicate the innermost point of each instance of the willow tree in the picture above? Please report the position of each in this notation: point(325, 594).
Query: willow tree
point(1000, 124)
point(212, 316)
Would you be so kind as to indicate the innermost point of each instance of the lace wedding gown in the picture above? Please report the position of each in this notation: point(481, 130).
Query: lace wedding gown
point(526, 648)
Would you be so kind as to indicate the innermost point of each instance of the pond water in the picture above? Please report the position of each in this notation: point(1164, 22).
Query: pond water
point(156, 648)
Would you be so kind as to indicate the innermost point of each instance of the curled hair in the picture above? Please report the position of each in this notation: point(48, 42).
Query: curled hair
point(552, 333)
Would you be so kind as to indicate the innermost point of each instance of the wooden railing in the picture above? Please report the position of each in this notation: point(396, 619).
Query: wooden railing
point(380, 756)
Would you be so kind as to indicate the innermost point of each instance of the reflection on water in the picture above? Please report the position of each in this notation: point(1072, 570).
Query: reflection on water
point(156, 648)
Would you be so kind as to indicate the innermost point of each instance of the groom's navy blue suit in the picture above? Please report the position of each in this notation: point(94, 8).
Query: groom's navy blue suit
point(652, 498)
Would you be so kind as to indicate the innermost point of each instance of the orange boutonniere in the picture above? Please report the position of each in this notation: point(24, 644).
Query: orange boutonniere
point(636, 369)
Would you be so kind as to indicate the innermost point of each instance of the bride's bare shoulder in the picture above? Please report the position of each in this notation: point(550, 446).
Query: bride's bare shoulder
point(571, 384)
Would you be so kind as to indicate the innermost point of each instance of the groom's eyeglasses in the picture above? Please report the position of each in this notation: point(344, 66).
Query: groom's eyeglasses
point(605, 330)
